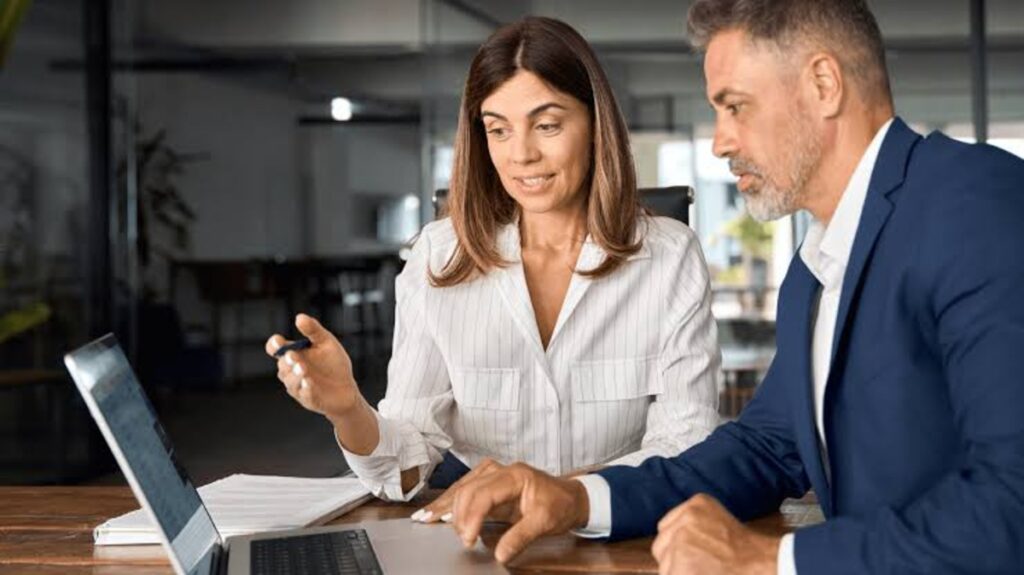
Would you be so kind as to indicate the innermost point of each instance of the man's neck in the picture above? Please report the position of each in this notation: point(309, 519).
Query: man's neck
point(849, 143)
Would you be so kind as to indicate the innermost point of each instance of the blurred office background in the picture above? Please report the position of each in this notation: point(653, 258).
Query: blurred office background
point(189, 174)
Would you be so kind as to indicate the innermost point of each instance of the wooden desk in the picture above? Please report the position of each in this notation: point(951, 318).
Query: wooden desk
point(48, 530)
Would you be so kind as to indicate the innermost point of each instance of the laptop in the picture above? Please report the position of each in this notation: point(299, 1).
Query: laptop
point(128, 422)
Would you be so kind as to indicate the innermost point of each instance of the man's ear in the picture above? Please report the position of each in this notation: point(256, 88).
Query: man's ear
point(826, 84)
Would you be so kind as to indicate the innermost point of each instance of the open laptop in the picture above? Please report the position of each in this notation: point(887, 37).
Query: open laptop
point(128, 422)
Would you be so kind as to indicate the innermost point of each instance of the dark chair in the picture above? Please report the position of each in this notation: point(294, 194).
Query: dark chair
point(670, 201)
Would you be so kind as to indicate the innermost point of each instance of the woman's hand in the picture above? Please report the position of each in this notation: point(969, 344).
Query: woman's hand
point(440, 509)
point(319, 378)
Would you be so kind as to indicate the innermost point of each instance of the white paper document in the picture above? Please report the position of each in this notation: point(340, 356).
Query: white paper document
point(240, 504)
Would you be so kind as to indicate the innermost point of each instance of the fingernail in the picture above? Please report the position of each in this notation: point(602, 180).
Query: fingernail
point(447, 517)
point(288, 358)
point(297, 370)
point(274, 345)
point(302, 383)
point(418, 516)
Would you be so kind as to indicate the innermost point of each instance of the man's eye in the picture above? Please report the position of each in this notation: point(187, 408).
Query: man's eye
point(733, 108)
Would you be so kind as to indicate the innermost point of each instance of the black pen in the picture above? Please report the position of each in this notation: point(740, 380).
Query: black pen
point(301, 343)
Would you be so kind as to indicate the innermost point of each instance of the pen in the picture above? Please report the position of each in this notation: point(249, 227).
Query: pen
point(301, 343)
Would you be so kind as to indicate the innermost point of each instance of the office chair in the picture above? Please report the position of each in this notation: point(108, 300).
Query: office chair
point(670, 201)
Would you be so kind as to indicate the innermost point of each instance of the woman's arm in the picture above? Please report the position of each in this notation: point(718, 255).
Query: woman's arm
point(393, 450)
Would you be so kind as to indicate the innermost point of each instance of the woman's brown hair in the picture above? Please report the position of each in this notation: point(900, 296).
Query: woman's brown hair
point(478, 204)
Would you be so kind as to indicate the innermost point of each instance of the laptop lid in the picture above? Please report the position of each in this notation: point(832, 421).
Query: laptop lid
point(143, 451)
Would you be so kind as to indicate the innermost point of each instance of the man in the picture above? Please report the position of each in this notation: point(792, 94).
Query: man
point(895, 392)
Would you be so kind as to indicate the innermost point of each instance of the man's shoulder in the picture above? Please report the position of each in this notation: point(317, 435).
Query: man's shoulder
point(944, 157)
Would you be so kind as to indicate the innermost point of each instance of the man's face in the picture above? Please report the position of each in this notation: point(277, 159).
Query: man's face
point(762, 127)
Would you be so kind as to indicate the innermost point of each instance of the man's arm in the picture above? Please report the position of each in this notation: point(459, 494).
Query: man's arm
point(749, 466)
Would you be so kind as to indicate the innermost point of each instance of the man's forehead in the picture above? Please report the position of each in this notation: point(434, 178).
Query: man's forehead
point(734, 63)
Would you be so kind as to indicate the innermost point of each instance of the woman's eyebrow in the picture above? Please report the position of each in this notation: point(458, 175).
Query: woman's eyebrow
point(534, 112)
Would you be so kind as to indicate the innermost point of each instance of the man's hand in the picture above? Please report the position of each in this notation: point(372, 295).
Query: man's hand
point(700, 536)
point(440, 509)
point(538, 503)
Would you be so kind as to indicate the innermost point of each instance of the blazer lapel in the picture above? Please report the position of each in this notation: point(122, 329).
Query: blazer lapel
point(795, 330)
point(888, 174)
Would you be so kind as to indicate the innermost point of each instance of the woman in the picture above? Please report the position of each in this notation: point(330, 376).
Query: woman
point(547, 319)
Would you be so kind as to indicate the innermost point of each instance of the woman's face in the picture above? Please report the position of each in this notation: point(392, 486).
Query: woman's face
point(540, 143)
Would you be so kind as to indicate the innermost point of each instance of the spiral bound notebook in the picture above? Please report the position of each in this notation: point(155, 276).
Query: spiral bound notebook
point(241, 504)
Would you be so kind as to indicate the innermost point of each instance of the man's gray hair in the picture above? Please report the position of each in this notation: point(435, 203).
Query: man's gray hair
point(844, 28)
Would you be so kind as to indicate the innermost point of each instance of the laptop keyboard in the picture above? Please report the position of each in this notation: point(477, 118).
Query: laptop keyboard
point(334, 553)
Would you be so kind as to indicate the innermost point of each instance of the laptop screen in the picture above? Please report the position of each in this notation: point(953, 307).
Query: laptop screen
point(129, 424)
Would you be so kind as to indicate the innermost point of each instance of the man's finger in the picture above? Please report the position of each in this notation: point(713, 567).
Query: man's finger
point(476, 499)
point(676, 514)
point(662, 543)
point(512, 543)
point(311, 328)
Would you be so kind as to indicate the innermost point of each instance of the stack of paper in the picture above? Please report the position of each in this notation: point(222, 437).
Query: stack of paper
point(242, 504)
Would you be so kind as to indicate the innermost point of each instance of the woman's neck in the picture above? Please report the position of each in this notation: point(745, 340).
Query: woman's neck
point(553, 231)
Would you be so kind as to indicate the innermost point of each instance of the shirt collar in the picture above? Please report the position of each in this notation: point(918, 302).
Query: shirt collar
point(826, 249)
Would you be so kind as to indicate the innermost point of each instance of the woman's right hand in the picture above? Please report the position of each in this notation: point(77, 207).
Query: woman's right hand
point(319, 378)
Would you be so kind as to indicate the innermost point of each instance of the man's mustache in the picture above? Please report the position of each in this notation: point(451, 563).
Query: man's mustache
point(740, 166)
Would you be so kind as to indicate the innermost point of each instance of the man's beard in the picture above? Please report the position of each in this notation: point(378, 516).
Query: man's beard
point(766, 199)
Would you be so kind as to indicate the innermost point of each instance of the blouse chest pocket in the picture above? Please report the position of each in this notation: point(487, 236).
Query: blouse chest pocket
point(487, 388)
point(617, 379)
point(610, 402)
point(488, 421)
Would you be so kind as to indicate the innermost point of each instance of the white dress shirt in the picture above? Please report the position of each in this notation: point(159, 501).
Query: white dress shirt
point(631, 369)
point(825, 251)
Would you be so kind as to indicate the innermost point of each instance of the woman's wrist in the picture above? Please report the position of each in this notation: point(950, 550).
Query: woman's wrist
point(356, 428)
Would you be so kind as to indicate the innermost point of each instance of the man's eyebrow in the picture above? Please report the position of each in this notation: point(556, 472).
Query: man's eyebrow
point(724, 93)
point(534, 112)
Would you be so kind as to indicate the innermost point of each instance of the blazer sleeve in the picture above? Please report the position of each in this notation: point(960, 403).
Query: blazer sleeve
point(685, 410)
point(414, 416)
point(750, 465)
point(970, 271)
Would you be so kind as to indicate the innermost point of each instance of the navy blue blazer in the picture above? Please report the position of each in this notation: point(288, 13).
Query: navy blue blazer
point(924, 407)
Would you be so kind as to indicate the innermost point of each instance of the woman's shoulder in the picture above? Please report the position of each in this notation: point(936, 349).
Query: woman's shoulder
point(439, 233)
point(434, 245)
point(663, 235)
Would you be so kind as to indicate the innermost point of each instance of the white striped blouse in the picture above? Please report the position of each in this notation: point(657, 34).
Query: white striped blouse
point(631, 369)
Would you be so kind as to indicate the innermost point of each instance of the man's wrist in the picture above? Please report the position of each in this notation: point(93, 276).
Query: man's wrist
point(768, 555)
point(581, 503)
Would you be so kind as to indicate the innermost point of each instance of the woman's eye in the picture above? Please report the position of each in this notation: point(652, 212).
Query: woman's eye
point(496, 132)
point(547, 128)
point(733, 108)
